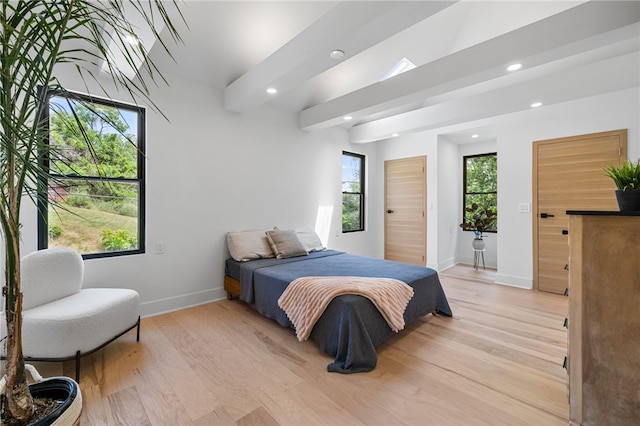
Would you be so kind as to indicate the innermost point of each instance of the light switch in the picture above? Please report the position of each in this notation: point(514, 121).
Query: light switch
point(524, 207)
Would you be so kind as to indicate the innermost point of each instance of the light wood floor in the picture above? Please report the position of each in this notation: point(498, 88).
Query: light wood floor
point(498, 361)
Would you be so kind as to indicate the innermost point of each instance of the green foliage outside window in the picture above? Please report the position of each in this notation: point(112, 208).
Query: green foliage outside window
point(352, 192)
point(96, 186)
point(351, 212)
point(55, 231)
point(114, 152)
point(119, 239)
point(481, 186)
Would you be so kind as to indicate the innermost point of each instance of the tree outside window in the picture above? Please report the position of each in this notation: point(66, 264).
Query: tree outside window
point(352, 192)
point(94, 200)
point(480, 185)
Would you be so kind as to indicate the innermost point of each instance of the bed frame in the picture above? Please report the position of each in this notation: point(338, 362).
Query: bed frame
point(351, 327)
point(232, 287)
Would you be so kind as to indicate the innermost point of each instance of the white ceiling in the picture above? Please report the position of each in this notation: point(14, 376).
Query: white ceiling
point(569, 50)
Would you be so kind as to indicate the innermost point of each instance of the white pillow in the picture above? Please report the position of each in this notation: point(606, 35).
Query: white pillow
point(309, 238)
point(248, 245)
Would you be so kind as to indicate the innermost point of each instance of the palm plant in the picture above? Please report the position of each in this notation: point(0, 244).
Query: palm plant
point(38, 36)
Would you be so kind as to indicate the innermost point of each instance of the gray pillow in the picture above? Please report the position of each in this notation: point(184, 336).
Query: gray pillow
point(285, 244)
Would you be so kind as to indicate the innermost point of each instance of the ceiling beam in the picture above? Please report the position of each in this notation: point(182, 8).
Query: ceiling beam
point(476, 64)
point(351, 26)
point(622, 72)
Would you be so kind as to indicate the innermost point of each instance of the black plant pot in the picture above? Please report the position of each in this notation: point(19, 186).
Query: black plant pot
point(64, 390)
point(629, 200)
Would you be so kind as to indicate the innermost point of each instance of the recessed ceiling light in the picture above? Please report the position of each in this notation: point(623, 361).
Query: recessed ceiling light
point(536, 104)
point(514, 67)
point(347, 117)
point(474, 136)
point(395, 135)
point(272, 90)
point(336, 54)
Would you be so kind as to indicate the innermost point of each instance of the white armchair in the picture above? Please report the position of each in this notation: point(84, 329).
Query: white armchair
point(62, 320)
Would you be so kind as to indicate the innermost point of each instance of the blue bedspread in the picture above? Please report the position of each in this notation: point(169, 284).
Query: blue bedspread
point(351, 327)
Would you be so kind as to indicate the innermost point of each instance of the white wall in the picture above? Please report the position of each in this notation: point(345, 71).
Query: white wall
point(449, 202)
point(209, 172)
point(515, 134)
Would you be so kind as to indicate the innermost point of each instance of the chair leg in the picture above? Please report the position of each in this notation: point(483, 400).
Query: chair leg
point(138, 331)
point(78, 367)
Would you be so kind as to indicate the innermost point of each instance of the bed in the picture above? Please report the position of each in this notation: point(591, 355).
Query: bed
point(351, 327)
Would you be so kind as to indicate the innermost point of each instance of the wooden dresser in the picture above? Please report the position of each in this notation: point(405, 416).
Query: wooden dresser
point(604, 318)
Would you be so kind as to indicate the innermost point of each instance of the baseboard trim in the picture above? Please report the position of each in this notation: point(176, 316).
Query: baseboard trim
point(171, 304)
point(446, 264)
point(514, 281)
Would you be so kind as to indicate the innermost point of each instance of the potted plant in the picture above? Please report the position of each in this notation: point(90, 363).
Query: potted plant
point(479, 220)
point(627, 180)
point(38, 36)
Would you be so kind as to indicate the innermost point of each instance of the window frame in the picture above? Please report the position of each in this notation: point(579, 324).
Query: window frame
point(465, 185)
point(44, 164)
point(360, 194)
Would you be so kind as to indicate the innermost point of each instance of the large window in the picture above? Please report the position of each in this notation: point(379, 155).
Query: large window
point(352, 192)
point(93, 200)
point(481, 187)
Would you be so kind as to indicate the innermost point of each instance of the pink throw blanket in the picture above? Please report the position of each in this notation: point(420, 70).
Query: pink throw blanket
point(306, 298)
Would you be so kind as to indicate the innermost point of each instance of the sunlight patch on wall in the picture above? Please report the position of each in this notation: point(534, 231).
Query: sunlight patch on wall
point(323, 223)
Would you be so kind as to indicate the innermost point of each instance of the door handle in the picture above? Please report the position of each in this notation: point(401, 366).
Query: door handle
point(546, 215)
point(389, 211)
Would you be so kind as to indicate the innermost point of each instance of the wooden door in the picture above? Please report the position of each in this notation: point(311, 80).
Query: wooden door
point(568, 175)
point(404, 205)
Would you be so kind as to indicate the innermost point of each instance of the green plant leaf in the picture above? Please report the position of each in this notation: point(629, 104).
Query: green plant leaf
point(626, 176)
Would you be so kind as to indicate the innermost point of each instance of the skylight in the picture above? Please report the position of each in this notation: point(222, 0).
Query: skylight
point(403, 65)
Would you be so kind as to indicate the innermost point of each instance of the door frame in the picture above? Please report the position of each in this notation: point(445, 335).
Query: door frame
point(622, 134)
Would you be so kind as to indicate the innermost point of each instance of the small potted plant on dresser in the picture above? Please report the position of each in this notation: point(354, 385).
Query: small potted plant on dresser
point(627, 180)
point(480, 220)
